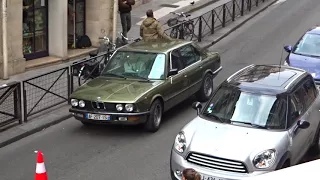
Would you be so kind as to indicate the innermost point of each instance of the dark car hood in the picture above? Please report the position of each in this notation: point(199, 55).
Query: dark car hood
point(310, 64)
point(114, 90)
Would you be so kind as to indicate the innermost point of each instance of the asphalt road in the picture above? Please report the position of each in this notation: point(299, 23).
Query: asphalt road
point(73, 152)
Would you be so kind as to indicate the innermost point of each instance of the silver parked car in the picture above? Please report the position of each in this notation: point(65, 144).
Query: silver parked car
point(262, 118)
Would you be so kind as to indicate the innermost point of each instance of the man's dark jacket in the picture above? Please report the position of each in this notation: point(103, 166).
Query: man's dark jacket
point(125, 7)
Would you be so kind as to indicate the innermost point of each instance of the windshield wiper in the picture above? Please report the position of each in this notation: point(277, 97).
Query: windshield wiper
point(252, 125)
point(215, 117)
point(137, 76)
point(116, 75)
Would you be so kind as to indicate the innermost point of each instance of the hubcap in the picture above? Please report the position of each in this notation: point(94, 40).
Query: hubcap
point(208, 86)
point(157, 115)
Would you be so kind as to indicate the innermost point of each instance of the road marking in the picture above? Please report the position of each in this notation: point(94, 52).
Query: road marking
point(165, 10)
point(278, 2)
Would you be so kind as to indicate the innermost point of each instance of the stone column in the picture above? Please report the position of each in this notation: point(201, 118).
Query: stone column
point(58, 28)
point(98, 16)
point(16, 61)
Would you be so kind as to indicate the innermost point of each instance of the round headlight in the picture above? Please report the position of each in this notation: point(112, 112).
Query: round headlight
point(129, 107)
point(119, 107)
point(74, 102)
point(180, 142)
point(82, 103)
point(265, 159)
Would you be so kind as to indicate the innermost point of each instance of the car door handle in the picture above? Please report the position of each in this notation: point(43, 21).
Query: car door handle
point(185, 75)
point(200, 67)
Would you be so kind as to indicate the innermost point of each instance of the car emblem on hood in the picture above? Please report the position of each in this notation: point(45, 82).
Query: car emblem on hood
point(98, 98)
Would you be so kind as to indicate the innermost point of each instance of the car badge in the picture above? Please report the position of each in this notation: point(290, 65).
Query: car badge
point(99, 98)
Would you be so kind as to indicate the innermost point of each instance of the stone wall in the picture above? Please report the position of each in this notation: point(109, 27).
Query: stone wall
point(16, 62)
point(99, 15)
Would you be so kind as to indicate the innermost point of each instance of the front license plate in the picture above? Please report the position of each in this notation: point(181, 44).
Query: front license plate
point(99, 117)
point(206, 177)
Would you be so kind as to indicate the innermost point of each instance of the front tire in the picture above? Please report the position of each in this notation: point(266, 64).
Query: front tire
point(206, 89)
point(155, 117)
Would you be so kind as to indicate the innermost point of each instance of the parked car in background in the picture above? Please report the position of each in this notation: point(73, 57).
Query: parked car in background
point(144, 79)
point(262, 118)
point(305, 54)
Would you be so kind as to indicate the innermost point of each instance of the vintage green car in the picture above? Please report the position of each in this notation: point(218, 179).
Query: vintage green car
point(142, 80)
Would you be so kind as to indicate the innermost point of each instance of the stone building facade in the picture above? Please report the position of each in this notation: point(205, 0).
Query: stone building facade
point(49, 28)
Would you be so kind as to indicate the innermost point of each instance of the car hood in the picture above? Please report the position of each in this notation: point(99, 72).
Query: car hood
point(230, 141)
point(114, 90)
point(310, 64)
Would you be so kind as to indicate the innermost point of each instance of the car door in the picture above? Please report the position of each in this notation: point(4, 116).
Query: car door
point(178, 83)
point(299, 137)
point(193, 69)
point(312, 105)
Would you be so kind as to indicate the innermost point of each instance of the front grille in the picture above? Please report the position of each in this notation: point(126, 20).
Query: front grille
point(99, 106)
point(217, 163)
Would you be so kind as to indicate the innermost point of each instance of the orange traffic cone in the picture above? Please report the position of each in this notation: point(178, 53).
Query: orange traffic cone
point(41, 173)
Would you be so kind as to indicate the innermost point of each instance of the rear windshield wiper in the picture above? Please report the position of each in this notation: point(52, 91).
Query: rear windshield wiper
point(252, 125)
point(215, 117)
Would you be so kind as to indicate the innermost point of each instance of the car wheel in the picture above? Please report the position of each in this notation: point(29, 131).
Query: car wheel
point(206, 89)
point(315, 149)
point(155, 117)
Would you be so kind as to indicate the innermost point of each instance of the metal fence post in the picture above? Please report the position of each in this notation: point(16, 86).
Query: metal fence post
point(257, 2)
point(223, 15)
point(212, 21)
point(25, 108)
point(249, 5)
point(200, 29)
point(17, 103)
point(233, 10)
point(242, 7)
point(69, 77)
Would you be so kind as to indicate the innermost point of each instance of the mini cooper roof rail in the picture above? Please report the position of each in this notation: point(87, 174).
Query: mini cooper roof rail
point(236, 73)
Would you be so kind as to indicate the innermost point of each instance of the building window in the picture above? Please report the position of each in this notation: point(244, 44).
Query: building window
point(76, 21)
point(35, 28)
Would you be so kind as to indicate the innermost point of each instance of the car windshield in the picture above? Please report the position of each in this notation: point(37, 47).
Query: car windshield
point(142, 65)
point(309, 45)
point(239, 107)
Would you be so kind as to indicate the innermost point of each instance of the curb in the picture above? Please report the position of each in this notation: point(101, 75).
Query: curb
point(239, 25)
point(33, 131)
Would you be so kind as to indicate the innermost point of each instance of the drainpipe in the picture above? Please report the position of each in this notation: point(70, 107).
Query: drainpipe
point(4, 39)
point(114, 25)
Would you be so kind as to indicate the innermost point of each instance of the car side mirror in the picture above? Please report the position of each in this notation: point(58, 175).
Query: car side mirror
point(288, 48)
point(197, 106)
point(302, 124)
point(173, 72)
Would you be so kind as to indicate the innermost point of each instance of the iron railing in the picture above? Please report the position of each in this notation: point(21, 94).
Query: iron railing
point(207, 23)
point(54, 88)
point(97, 63)
point(10, 103)
point(45, 91)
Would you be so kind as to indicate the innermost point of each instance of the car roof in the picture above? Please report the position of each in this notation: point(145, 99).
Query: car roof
point(314, 30)
point(158, 46)
point(266, 79)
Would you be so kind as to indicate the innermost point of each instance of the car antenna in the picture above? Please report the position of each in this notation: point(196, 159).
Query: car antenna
point(280, 63)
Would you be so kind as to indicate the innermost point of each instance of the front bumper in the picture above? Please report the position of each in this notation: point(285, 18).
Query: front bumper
point(115, 118)
point(178, 164)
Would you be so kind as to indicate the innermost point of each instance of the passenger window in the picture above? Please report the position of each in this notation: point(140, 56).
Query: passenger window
point(298, 104)
point(189, 55)
point(175, 60)
point(311, 92)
